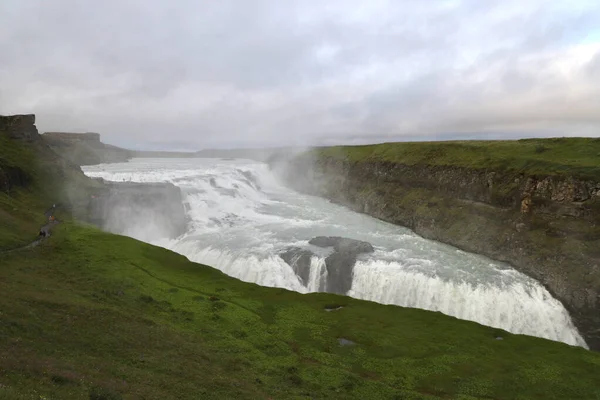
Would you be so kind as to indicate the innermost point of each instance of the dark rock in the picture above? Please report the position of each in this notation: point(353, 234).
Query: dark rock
point(342, 244)
point(299, 259)
point(340, 264)
point(340, 271)
point(11, 177)
point(85, 148)
point(21, 127)
point(324, 241)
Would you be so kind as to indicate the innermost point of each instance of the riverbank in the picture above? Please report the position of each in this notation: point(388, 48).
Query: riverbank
point(532, 203)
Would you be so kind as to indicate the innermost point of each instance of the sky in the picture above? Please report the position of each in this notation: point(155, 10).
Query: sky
point(193, 74)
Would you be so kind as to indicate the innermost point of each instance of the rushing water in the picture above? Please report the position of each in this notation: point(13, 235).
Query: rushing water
point(242, 218)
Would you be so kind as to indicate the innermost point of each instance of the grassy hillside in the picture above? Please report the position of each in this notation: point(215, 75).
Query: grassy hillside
point(90, 315)
point(19, 207)
point(44, 179)
point(578, 157)
point(89, 312)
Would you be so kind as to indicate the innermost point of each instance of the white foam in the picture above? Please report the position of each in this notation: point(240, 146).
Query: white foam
point(522, 308)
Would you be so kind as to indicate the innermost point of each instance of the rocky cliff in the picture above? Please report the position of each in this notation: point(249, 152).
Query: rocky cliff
point(85, 148)
point(20, 127)
point(145, 211)
point(16, 127)
point(545, 225)
point(17, 169)
point(46, 163)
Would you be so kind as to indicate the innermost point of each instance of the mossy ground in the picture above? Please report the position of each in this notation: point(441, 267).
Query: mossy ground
point(89, 311)
point(577, 157)
point(90, 315)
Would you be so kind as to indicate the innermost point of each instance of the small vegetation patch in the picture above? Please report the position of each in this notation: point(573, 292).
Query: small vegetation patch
point(99, 393)
point(146, 299)
point(61, 380)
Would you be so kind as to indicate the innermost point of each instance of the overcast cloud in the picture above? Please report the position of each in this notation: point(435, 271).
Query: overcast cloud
point(190, 74)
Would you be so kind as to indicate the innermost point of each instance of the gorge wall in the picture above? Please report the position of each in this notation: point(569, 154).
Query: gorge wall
point(145, 211)
point(85, 148)
point(548, 227)
point(49, 165)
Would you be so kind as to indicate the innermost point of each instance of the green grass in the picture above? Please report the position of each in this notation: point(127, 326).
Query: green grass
point(90, 315)
point(19, 210)
point(577, 157)
point(89, 311)
point(49, 180)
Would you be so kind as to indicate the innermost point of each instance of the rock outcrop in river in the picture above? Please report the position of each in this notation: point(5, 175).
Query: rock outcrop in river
point(340, 263)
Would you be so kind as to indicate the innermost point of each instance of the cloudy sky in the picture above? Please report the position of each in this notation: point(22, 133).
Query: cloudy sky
point(191, 74)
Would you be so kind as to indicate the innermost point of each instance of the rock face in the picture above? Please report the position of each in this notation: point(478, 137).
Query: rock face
point(146, 211)
point(548, 227)
point(339, 264)
point(299, 259)
point(342, 245)
point(21, 127)
point(89, 137)
point(11, 177)
point(85, 148)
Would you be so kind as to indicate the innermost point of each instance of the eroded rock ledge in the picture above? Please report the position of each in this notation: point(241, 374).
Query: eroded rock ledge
point(548, 227)
point(146, 211)
point(340, 263)
point(85, 148)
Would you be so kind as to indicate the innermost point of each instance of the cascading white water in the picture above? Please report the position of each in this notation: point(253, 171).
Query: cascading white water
point(242, 218)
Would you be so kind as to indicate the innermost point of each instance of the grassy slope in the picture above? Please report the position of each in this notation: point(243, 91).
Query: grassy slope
point(96, 316)
point(47, 175)
point(89, 309)
point(578, 157)
point(19, 213)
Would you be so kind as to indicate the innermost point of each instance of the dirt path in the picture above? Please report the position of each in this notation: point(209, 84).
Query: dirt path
point(43, 233)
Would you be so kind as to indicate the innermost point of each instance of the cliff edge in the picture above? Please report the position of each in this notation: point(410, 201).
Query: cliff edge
point(85, 148)
point(37, 171)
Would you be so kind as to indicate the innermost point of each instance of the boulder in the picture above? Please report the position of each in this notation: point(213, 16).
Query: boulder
point(342, 244)
point(340, 264)
point(340, 272)
point(299, 260)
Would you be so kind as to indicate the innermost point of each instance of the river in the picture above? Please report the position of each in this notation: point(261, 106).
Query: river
point(242, 217)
